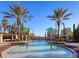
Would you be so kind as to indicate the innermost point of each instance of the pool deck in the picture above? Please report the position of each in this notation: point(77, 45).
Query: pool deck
point(74, 46)
point(4, 46)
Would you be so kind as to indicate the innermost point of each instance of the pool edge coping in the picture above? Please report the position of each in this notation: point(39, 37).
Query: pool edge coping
point(4, 53)
point(72, 50)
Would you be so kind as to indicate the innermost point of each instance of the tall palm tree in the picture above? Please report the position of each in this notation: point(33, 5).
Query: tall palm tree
point(19, 12)
point(59, 15)
point(5, 24)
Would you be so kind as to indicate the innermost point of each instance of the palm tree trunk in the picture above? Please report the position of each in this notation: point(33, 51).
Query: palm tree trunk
point(58, 29)
point(0, 29)
point(64, 29)
point(4, 30)
point(18, 32)
point(18, 23)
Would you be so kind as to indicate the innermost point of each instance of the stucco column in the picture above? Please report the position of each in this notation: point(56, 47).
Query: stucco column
point(16, 36)
point(22, 37)
point(26, 37)
point(1, 38)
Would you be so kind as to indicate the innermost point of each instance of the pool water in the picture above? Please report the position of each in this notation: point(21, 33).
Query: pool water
point(40, 49)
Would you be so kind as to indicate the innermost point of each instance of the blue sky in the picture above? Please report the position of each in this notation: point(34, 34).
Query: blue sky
point(40, 11)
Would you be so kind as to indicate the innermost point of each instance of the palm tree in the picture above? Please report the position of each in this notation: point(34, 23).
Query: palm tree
point(14, 28)
point(0, 27)
point(63, 28)
point(19, 12)
point(5, 24)
point(22, 28)
point(9, 27)
point(32, 35)
point(28, 31)
point(59, 15)
point(50, 32)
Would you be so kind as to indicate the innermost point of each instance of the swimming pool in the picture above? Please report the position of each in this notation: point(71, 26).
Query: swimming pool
point(40, 49)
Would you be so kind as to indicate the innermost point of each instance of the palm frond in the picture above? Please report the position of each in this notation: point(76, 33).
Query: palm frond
point(12, 10)
point(49, 16)
point(8, 16)
point(63, 23)
point(64, 11)
point(56, 13)
point(6, 13)
point(30, 17)
point(65, 16)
